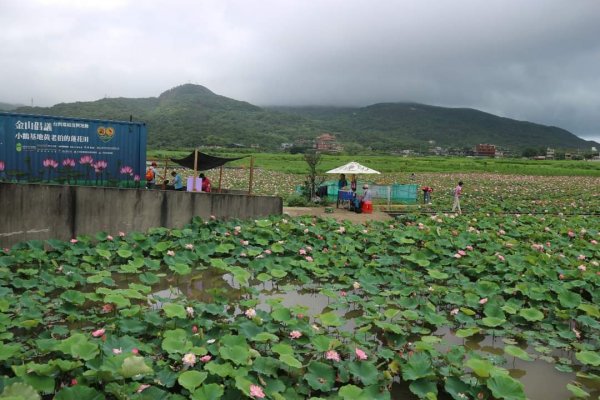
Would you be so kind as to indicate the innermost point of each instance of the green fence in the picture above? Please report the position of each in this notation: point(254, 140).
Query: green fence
point(389, 194)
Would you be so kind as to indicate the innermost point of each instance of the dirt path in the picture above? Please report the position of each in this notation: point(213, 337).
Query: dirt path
point(338, 214)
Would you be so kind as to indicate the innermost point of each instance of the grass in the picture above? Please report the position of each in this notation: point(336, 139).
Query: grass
point(294, 163)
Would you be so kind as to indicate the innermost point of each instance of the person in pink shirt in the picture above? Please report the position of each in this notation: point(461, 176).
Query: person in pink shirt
point(457, 194)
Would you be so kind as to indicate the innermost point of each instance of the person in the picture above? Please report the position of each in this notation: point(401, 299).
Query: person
point(342, 183)
point(353, 183)
point(359, 200)
point(177, 183)
point(205, 183)
point(413, 176)
point(427, 194)
point(151, 176)
point(457, 194)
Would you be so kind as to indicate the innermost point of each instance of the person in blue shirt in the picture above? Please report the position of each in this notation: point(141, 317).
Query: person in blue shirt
point(177, 183)
point(342, 183)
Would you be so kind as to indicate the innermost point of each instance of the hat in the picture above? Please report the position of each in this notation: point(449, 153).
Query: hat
point(365, 186)
point(154, 164)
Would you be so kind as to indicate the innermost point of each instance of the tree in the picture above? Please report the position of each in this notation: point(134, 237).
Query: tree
point(312, 158)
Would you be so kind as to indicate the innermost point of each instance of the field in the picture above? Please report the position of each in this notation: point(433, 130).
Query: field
point(498, 303)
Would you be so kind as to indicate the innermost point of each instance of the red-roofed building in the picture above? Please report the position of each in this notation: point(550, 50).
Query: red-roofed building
point(485, 150)
point(327, 142)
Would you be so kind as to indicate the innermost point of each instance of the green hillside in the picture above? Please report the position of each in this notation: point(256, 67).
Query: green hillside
point(192, 115)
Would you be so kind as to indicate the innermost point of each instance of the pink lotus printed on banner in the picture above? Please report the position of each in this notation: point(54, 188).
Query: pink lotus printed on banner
point(69, 163)
point(86, 160)
point(2, 166)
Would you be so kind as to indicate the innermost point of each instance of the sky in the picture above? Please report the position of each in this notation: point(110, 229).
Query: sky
point(534, 60)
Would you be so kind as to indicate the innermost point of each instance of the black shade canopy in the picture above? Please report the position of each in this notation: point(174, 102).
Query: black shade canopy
point(205, 161)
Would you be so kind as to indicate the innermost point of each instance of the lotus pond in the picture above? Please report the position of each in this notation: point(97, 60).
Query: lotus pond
point(468, 307)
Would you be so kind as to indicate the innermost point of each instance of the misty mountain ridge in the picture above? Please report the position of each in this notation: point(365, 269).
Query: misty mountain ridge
point(192, 115)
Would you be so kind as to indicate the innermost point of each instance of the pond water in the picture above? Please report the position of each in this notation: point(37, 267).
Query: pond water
point(541, 379)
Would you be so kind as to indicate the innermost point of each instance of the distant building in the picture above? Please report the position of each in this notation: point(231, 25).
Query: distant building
point(286, 146)
point(550, 154)
point(485, 150)
point(327, 143)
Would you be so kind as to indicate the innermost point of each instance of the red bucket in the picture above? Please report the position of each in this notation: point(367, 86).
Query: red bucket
point(367, 207)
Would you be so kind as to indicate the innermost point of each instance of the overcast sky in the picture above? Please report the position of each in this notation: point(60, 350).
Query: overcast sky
point(536, 60)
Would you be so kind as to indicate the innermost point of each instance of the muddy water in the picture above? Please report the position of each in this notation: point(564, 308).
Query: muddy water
point(540, 378)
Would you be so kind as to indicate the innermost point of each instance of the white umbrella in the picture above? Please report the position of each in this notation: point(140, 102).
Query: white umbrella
point(352, 168)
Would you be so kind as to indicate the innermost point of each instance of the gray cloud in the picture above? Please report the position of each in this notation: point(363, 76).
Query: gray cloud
point(534, 60)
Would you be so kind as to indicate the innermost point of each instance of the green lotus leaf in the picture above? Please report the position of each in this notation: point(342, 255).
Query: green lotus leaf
point(418, 366)
point(531, 314)
point(148, 278)
point(180, 268)
point(283, 348)
point(9, 350)
point(176, 341)
point(265, 337)
point(517, 352)
point(365, 371)
point(221, 370)
point(174, 311)
point(290, 360)
point(569, 299)
point(424, 387)
point(241, 275)
point(278, 273)
point(79, 392)
point(191, 379)
point(134, 366)
point(20, 391)
point(211, 391)
point(330, 319)
point(281, 315)
point(492, 321)
point(418, 258)
point(435, 274)
point(590, 310)
point(350, 392)
point(455, 387)
point(482, 368)
point(117, 299)
point(104, 253)
point(124, 253)
point(505, 387)
point(577, 391)
point(320, 376)
point(588, 357)
point(466, 332)
point(73, 296)
point(78, 346)
point(234, 348)
point(264, 277)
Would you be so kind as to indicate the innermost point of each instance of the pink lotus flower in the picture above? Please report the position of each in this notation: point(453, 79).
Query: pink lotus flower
point(332, 355)
point(194, 328)
point(142, 387)
point(107, 308)
point(571, 234)
point(205, 358)
point(73, 382)
point(117, 351)
point(74, 241)
point(295, 334)
point(50, 163)
point(135, 351)
point(356, 285)
point(2, 166)
point(99, 332)
point(256, 392)
point(190, 311)
point(189, 246)
point(121, 234)
point(454, 311)
point(267, 251)
point(302, 252)
point(237, 228)
point(309, 258)
point(501, 232)
point(483, 301)
point(343, 293)
point(250, 313)
point(581, 257)
point(171, 253)
point(245, 243)
point(577, 333)
point(69, 163)
point(462, 252)
point(593, 241)
point(189, 359)
point(110, 238)
point(470, 248)
point(86, 160)
point(501, 257)
point(582, 268)
point(457, 255)
point(305, 231)
point(360, 354)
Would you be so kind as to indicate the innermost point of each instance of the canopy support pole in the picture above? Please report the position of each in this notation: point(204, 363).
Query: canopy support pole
point(220, 177)
point(164, 185)
point(195, 170)
point(251, 175)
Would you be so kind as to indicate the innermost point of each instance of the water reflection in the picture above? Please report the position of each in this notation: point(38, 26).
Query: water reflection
point(540, 378)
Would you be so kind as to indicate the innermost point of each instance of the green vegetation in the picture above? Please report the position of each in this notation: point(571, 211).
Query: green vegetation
point(295, 164)
point(202, 312)
point(192, 115)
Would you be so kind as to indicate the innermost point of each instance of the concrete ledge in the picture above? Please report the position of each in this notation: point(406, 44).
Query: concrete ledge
point(37, 211)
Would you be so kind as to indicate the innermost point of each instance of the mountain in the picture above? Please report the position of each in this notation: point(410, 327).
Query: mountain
point(192, 115)
point(9, 107)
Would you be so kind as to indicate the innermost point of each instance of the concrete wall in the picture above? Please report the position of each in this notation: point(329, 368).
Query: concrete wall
point(31, 211)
